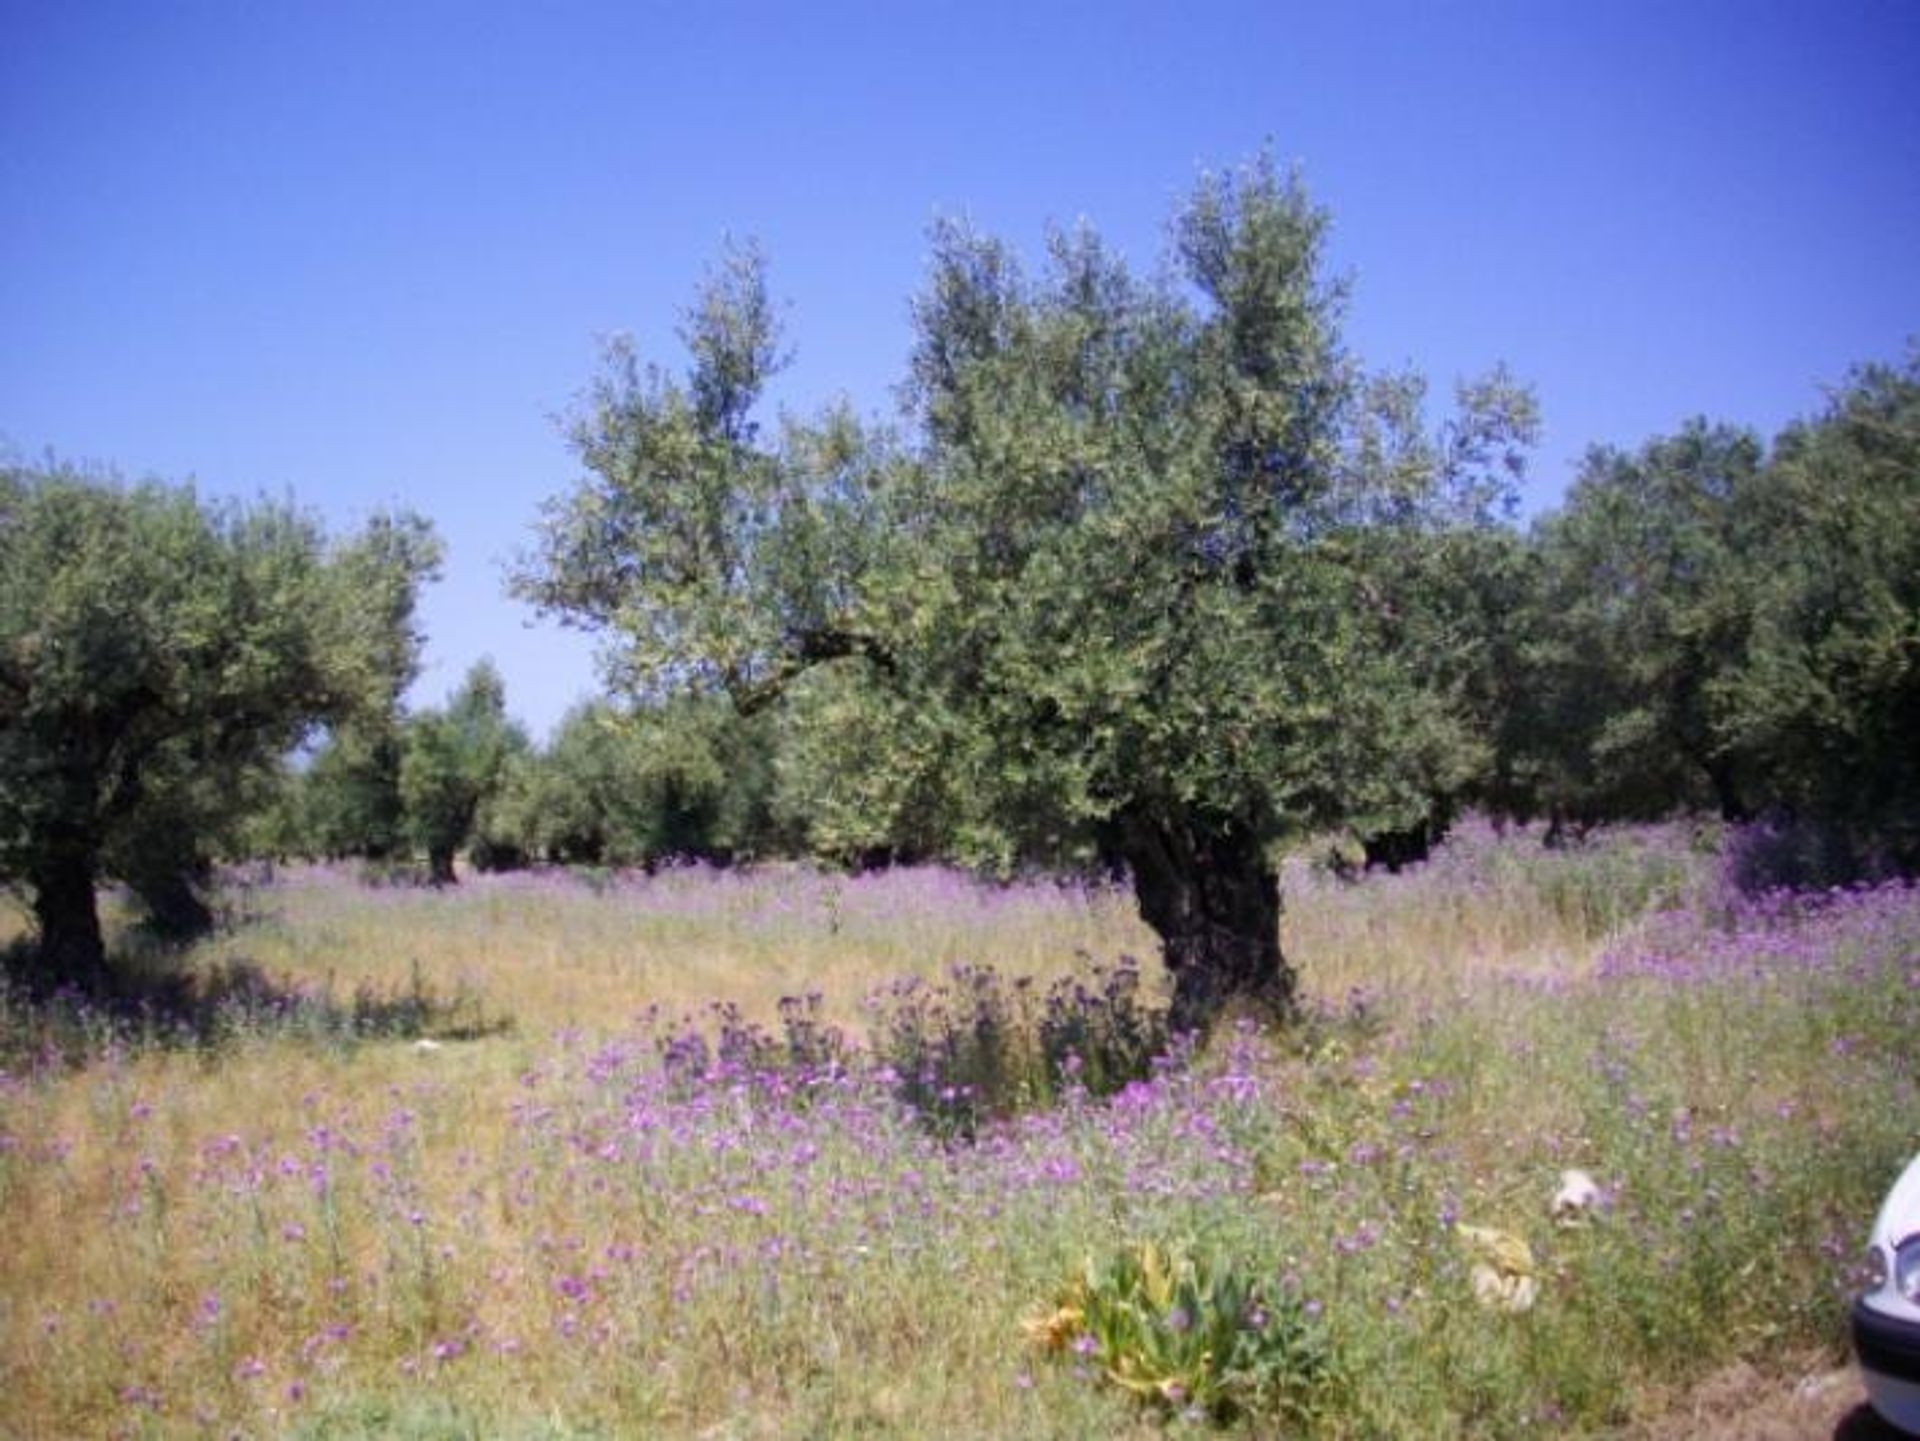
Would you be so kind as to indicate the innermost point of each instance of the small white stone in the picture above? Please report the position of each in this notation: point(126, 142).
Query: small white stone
point(1574, 1202)
point(426, 1043)
point(1812, 1388)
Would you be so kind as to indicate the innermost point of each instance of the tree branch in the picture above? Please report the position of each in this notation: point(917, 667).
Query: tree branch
point(816, 647)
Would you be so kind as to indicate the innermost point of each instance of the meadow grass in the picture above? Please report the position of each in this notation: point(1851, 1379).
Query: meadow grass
point(589, 1223)
point(563, 950)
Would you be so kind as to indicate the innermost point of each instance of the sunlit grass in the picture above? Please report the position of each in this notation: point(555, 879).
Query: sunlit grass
point(537, 1230)
point(560, 951)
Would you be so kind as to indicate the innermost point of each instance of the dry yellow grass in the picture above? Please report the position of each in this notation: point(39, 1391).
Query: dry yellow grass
point(554, 953)
point(171, 1238)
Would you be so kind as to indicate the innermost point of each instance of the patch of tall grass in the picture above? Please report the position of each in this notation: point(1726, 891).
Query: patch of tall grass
point(613, 1220)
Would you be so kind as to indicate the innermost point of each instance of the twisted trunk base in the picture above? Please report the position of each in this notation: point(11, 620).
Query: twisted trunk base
point(71, 950)
point(1213, 898)
point(175, 909)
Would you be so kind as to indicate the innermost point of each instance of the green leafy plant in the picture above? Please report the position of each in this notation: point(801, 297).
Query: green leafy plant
point(1192, 1333)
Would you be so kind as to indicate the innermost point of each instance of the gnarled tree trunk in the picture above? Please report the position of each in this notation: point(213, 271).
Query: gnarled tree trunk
point(175, 909)
point(64, 907)
point(1394, 851)
point(1206, 887)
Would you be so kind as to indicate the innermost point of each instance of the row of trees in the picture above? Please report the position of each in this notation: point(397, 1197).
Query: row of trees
point(1157, 573)
point(1153, 574)
point(386, 787)
point(1713, 622)
point(611, 788)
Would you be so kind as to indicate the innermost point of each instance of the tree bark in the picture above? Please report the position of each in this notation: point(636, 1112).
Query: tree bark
point(1394, 851)
point(64, 907)
point(175, 909)
point(1211, 895)
point(440, 867)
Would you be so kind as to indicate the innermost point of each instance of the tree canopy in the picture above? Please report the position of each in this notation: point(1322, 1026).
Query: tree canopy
point(453, 762)
point(1637, 607)
point(1157, 571)
point(1820, 711)
point(158, 655)
point(1712, 622)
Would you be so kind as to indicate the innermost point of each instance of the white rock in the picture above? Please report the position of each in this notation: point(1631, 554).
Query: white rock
point(1576, 1199)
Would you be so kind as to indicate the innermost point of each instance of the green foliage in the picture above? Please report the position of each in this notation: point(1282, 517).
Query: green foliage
point(686, 778)
point(1160, 530)
point(453, 763)
point(375, 643)
point(700, 783)
point(157, 656)
point(1638, 611)
point(347, 801)
point(861, 775)
point(573, 802)
point(348, 798)
point(1188, 1331)
point(568, 803)
point(1164, 575)
point(1713, 624)
point(1822, 711)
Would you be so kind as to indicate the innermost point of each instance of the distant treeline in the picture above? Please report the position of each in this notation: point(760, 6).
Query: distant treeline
point(1709, 624)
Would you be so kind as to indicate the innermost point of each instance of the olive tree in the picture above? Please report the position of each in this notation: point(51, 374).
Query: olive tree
point(350, 792)
point(158, 655)
point(452, 762)
point(1145, 571)
point(1820, 712)
point(1638, 613)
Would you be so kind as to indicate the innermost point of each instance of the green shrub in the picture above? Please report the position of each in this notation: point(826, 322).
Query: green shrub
point(1192, 1333)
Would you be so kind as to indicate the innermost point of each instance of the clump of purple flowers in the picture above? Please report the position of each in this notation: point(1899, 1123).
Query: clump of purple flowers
point(979, 1046)
point(974, 1048)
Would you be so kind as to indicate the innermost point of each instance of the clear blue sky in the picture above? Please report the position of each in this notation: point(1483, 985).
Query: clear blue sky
point(362, 252)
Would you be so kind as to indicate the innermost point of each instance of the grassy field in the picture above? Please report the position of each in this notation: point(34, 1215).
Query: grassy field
point(622, 1189)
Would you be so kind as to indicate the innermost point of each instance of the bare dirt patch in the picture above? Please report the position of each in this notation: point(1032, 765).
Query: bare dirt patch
point(1807, 1398)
